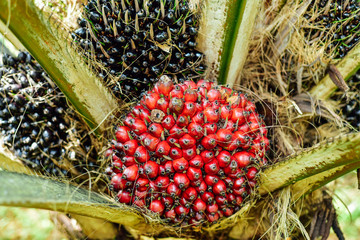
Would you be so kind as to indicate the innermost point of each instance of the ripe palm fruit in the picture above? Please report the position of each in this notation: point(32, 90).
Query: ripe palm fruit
point(343, 17)
point(138, 40)
point(351, 110)
point(206, 175)
point(36, 123)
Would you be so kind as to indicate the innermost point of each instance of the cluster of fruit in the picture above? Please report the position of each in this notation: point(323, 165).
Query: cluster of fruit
point(137, 41)
point(35, 119)
point(341, 16)
point(189, 152)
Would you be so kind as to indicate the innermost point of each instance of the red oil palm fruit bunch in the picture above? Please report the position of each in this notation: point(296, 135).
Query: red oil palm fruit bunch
point(190, 152)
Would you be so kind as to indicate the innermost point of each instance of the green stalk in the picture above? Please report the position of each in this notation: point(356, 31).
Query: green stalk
point(342, 151)
point(348, 66)
point(224, 36)
point(49, 47)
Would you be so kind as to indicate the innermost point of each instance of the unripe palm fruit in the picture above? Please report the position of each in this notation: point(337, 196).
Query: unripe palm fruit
point(136, 41)
point(208, 173)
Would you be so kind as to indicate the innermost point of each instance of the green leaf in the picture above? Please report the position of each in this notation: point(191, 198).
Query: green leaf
point(64, 65)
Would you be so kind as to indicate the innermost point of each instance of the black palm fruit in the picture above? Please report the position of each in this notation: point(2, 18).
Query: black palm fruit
point(341, 16)
point(137, 41)
point(36, 123)
point(351, 111)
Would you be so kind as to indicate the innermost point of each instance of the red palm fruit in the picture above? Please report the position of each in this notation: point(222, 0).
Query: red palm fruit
point(162, 170)
point(209, 141)
point(182, 211)
point(229, 182)
point(199, 108)
point(190, 95)
point(130, 146)
point(213, 95)
point(231, 198)
point(237, 174)
point(139, 202)
point(144, 114)
point(190, 84)
point(216, 104)
point(212, 167)
point(154, 195)
point(212, 115)
point(210, 180)
point(234, 143)
point(199, 205)
point(206, 104)
point(141, 154)
point(202, 91)
point(151, 142)
point(212, 217)
point(176, 105)
point(194, 174)
point(142, 184)
point(254, 127)
point(177, 92)
point(129, 120)
point(239, 200)
point(164, 86)
point(122, 134)
point(131, 173)
point(223, 136)
point(168, 122)
point(195, 130)
point(207, 197)
point(163, 148)
point(238, 116)
point(239, 183)
point(128, 161)
point(162, 104)
point(180, 165)
point(252, 183)
point(198, 118)
point(168, 201)
point(115, 157)
point(243, 158)
point(157, 206)
point(153, 187)
point(187, 141)
point(223, 158)
point(151, 169)
point(136, 110)
point(221, 200)
point(228, 212)
point(195, 183)
point(170, 214)
point(156, 130)
point(181, 180)
point(240, 191)
point(201, 188)
point(162, 182)
point(190, 194)
point(117, 166)
point(175, 153)
point(140, 194)
point(173, 190)
point(196, 162)
point(230, 125)
point(225, 112)
point(182, 121)
point(173, 142)
point(251, 173)
point(210, 128)
point(109, 152)
point(250, 107)
point(219, 188)
point(117, 182)
point(176, 132)
point(204, 83)
point(189, 109)
point(150, 100)
point(212, 208)
point(124, 197)
point(244, 128)
point(169, 167)
point(207, 156)
point(190, 153)
point(199, 216)
point(185, 202)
